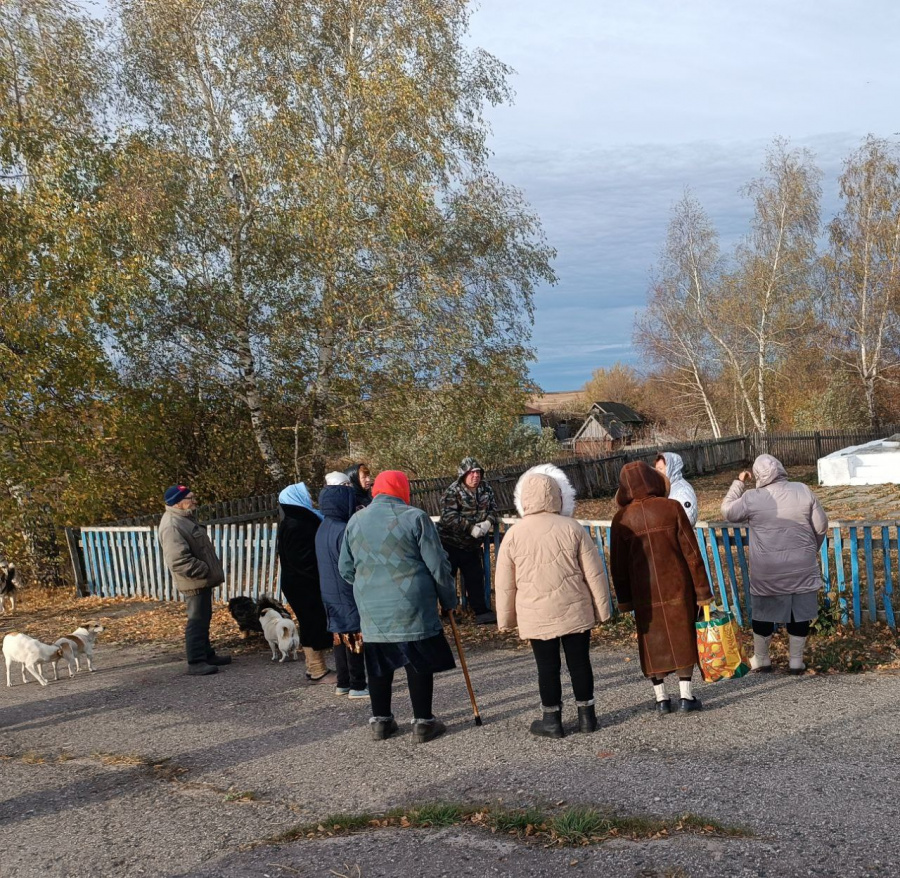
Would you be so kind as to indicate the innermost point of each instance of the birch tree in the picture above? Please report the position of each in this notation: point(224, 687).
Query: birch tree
point(863, 269)
point(768, 299)
point(673, 332)
point(203, 211)
point(332, 226)
point(415, 260)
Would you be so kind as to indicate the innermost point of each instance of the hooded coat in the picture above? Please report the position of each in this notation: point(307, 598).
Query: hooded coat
point(393, 557)
point(679, 487)
point(363, 495)
point(657, 570)
point(299, 568)
point(462, 508)
point(787, 526)
point(337, 503)
point(550, 580)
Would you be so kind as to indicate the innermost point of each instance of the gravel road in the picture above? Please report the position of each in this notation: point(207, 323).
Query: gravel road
point(140, 770)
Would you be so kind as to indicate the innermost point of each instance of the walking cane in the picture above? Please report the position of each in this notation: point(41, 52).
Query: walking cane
point(465, 667)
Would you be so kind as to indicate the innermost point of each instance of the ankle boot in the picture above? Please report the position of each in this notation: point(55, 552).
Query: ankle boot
point(796, 645)
point(760, 661)
point(550, 726)
point(587, 718)
point(382, 727)
point(316, 668)
point(426, 731)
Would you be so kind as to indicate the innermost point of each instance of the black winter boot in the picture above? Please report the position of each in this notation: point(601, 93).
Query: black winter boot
point(587, 718)
point(382, 729)
point(550, 726)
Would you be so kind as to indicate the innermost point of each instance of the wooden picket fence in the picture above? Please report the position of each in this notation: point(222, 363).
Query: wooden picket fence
point(859, 562)
point(799, 449)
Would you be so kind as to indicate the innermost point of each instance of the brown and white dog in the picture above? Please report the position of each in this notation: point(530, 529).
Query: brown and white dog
point(79, 643)
point(31, 653)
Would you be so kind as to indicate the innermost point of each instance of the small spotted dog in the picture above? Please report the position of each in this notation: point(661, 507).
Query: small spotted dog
point(78, 643)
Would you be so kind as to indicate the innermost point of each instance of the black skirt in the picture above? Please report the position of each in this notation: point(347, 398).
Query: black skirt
point(429, 656)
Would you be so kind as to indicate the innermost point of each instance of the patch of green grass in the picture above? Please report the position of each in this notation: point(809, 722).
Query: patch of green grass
point(436, 815)
point(520, 821)
point(578, 825)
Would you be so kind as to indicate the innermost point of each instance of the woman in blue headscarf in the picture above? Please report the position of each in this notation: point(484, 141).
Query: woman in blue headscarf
point(300, 577)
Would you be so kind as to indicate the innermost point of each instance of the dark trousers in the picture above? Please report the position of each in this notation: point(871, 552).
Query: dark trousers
point(305, 599)
point(196, 632)
point(421, 693)
point(350, 667)
point(767, 629)
point(577, 648)
point(470, 563)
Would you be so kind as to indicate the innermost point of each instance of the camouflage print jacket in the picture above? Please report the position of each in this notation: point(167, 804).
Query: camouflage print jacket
point(462, 508)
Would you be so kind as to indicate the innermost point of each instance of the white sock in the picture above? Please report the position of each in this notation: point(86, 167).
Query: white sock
point(685, 687)
point(659, 690)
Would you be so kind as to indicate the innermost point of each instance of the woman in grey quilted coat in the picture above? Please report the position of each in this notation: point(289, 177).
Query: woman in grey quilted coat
point(787, 526)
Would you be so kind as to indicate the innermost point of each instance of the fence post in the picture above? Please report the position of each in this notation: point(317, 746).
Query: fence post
point(72, 538)
point(818, 444)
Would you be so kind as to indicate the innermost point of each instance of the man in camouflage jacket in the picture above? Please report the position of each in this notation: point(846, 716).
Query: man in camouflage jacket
point(468, 514)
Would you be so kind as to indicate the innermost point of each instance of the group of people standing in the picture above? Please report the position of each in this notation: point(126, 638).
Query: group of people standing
point(368, 575)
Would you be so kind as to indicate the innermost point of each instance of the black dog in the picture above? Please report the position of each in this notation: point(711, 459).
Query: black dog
point(7, 587)
point(245, 611)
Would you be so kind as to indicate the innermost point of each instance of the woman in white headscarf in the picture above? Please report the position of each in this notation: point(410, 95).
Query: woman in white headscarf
point(672, 467)
point(300, 578)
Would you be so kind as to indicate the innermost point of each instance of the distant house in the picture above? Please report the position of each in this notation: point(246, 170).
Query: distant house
point(531, 417)
point(562, 411)
point(609, 425)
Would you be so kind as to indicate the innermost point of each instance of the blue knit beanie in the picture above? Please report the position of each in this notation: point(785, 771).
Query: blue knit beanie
point(176, 494)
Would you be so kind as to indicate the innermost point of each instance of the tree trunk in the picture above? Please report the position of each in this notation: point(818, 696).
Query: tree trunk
point(869, 382)
point(320, 402)
point(253, 399)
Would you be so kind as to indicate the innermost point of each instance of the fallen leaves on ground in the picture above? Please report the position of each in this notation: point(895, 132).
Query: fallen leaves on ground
point(48, 613)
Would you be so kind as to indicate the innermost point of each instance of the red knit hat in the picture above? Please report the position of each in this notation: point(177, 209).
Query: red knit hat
point(393, 483)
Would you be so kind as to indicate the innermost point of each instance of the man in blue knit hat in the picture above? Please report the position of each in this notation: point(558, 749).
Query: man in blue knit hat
point(196, 571)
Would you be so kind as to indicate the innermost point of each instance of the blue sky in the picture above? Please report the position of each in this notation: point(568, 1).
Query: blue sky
point(621, 105)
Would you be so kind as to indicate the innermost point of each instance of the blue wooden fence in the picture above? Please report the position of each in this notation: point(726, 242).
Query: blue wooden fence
point(128, 561)
point(859, 560)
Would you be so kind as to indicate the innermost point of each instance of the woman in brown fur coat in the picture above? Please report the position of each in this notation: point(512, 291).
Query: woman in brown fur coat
point(658, 572)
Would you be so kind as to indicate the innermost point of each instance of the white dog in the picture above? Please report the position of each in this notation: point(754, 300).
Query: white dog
point(281, 634)
point(79, 642)
point(30, 652)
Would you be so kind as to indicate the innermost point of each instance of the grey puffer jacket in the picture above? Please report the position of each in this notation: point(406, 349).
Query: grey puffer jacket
point(679, 487)
point(188, 552)
point(787, 526)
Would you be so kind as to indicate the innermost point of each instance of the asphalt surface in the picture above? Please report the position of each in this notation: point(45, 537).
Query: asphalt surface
point(138, 769)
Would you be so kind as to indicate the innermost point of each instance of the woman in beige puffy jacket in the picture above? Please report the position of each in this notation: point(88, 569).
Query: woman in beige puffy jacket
point(551, 585)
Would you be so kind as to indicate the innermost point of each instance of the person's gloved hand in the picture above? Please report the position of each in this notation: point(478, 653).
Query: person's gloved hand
point(479, 530)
